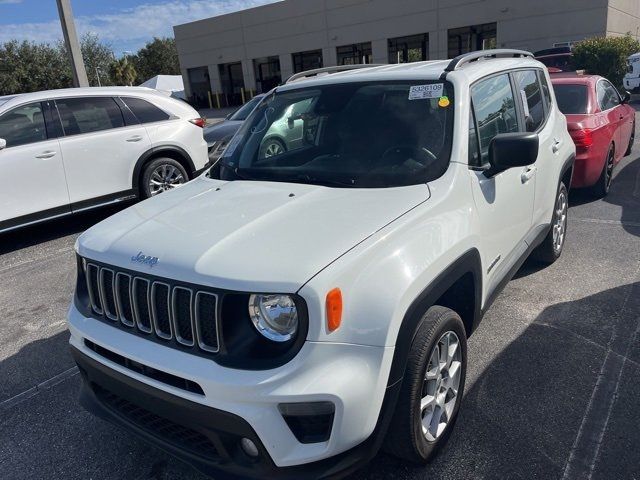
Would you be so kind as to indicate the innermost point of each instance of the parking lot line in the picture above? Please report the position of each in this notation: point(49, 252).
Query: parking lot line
point(35, 390)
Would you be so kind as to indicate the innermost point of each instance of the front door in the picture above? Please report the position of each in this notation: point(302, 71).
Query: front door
point(99, 150)
point(34, 184)
point(504, 202)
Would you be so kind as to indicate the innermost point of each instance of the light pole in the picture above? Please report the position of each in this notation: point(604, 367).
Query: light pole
point(71, 41)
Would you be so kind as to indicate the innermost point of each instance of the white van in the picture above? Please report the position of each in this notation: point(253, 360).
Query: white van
point(632, 78)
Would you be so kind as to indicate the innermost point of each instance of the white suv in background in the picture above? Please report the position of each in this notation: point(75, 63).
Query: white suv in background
point(309, 306)
point(63, 151)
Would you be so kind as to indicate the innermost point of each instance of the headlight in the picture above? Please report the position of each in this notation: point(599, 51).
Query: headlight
point(274, 316)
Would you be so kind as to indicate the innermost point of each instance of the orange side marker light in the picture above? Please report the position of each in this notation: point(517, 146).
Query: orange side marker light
point(334, 309)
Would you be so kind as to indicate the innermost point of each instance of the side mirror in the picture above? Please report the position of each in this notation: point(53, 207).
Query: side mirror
point(509, 150)
point(626, 97)
point(3, 144)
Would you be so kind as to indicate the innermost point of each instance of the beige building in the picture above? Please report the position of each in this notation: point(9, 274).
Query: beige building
point(231, 57)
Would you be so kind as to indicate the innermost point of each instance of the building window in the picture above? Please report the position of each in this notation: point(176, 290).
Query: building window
point(310, 60)
point(414, 48)
point(267, 73)
point(354, 54)
point(200, 86)
point(468, 39)
point(232, 84)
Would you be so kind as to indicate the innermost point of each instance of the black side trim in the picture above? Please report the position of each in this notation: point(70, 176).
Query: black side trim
point(103, 200)
point(37, 217)
point(568, 163)
point(137, 170)
point(223, 429)
point(469, 262)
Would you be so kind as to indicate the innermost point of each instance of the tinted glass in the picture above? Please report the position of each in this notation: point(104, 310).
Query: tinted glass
point(529, 89)
point(23, 125)
point(495, 110)
point(608, 96)
point(546, 93)
point(572, 99)
point(243, 112)
point(474, 152)
point(346, 135)
point(86, 115)
point(145, 111)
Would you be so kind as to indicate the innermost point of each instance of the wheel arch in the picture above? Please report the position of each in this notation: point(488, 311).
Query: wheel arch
point(170, 151)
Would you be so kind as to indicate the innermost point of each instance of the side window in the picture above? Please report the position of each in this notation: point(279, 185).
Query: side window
point(23, 125)
point(495, 110)
point(145, 111)
point(608, 96)
point(530, 91)
point(86, 115)
point(546, 92)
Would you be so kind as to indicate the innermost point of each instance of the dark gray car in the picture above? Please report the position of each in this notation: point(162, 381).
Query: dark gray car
point(217, 136)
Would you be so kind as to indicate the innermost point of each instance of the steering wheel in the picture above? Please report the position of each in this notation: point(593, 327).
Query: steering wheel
point(396, 155)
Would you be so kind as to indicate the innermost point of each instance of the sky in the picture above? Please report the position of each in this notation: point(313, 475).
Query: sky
point(124, 24)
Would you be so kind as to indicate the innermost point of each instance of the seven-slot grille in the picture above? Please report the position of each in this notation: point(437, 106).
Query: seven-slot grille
point(176, 314)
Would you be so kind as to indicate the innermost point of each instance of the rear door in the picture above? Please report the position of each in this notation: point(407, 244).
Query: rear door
point(34, 184)
point(101, 146)
point(610, 102)
point(504, 201)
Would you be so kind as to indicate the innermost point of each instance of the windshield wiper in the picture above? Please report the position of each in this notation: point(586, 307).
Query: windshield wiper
point(329, 182)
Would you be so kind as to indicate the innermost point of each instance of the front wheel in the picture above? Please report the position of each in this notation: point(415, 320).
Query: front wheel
point(161, 175)
point(631, 140)
point(432, 387)
point(551, 247)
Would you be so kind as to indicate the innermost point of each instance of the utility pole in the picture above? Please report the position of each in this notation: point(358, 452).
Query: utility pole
point(71, 41)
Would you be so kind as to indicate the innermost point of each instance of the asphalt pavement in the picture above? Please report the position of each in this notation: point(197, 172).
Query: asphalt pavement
point(553, 388)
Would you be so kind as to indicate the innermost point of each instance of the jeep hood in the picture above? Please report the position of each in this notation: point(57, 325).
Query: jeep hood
point(244, 235)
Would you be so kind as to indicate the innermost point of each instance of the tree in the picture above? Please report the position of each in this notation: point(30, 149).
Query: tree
point(158, 57)
point(97, 57)
point(605, 56)
point(123, 72)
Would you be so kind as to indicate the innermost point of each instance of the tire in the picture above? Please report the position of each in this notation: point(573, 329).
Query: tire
point(161, 175)
point(602, 186)
point(551, 247)
point(272, 148)
point(406, 437)
point(631, 140)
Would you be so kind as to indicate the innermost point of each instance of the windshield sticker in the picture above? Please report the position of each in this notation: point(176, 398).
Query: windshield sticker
point(525, 104)
point(444, 102)
point(233, 144)
point(421, 92)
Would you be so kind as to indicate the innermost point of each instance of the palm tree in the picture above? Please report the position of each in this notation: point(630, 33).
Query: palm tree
point(123, 72)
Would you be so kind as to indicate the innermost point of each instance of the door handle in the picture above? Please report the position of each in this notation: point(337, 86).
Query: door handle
point(528, 174)
point(47, 154)
point(556, 146)
point(135, 138)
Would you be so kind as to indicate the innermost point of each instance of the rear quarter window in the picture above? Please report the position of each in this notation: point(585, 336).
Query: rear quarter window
point(145, 111)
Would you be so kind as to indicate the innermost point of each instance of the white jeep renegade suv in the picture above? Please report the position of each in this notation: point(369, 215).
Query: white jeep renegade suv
point(294, 314)
point(70, 150)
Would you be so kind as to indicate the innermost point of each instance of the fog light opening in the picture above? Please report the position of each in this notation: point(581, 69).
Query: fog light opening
point(249, 448)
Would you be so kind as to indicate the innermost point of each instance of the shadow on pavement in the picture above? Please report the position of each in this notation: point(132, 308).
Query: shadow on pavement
point(54, 229)
point(625, 192)
point(521, 416)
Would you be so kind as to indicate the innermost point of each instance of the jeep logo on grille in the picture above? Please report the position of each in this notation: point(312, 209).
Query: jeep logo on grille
point(145, 259)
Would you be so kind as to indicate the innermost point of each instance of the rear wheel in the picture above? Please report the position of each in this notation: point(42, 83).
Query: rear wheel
point(161, 175)
point(432, 387)
point(631, 140)
point(551, 247)
point(601, 188)
point(272, 148)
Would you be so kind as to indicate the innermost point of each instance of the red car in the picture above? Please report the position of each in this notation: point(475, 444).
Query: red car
point(601, 123)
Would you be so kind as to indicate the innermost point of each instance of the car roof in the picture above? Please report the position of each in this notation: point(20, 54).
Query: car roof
point(427, 70)
point(74, 92)
point(573, 78)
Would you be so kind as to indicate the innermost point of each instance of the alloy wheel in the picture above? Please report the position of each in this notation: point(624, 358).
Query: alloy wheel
point(609, 172)
point(560, 224)
point(441, 386)
point(165, 177)
point(273, 149)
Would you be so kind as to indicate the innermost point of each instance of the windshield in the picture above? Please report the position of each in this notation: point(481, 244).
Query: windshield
point(572, 99)
point(380, 134)
point(243, 112)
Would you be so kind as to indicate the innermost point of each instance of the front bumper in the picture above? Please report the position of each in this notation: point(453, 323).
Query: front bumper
point(237, 404)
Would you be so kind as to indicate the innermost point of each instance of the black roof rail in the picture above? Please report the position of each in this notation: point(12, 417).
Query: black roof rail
point(465, 58)
point(335, 69)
